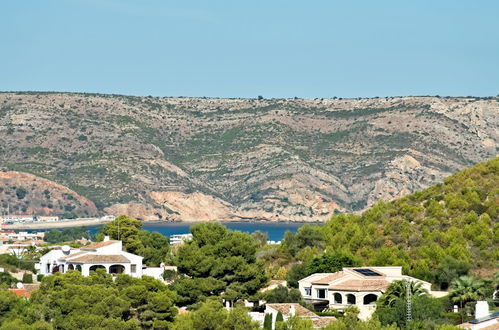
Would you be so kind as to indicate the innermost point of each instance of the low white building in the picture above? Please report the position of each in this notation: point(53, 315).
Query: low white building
point(483, 318)
point(359, 286)
point(108, 255)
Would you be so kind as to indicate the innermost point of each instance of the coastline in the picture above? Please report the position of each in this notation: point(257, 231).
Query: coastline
point(57, 224)
point(98, 221)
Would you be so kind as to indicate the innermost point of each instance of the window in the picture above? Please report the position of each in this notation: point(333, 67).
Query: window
point(133, 268)
point(322, 293)
point(337, 298)
point(351, 299)
point(308, 291)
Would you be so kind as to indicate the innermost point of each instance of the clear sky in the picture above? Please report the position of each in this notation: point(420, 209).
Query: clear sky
point(234, 48)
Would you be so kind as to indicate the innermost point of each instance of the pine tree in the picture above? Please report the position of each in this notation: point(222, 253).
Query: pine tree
point(279, 317)
point(267, 322)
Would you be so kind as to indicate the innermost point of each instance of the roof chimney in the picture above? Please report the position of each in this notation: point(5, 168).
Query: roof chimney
point(292, 310)
point(481, 309)
point(106, 238)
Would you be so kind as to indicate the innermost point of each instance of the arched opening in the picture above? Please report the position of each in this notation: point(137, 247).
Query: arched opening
point(370, 299)
point(61, 268)
point(78, 268)
point(338, 299)
point(116, 269)
point(351, 299)
point(71, 267)
point(95, 267)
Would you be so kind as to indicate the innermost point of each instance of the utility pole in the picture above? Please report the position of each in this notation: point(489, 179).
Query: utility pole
point(408, 307)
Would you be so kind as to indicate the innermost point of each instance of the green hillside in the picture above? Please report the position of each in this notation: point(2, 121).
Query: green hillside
point(446, 226)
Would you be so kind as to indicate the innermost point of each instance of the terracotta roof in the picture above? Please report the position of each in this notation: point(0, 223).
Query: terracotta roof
point(323, 321)
point(21, 292)
point(26, 291)
point(101, 258)
point(299, 309)
point(98, 245)
point(361, 285)
point(72, 255)
point(329, 278)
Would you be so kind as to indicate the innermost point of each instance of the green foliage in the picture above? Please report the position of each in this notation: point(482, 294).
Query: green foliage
point(311, 236)
point(216, 260)
point(330, 263)
point(296, 273)
point(279, 317)
point(294, 323)
point(21, 192)
point(71, 301)
point(13, 263)
point(267, 322)
point(435, 234)
point(212, 316)
point(466, 289)
point(67, 235)
point(154, 247)
point(282, 294)
point(398, 290)
point(426, 311)
point(449, 269)
point(27, 278)
point(7, 280)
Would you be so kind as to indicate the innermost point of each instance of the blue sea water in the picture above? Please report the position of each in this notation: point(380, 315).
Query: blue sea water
point(274, 230)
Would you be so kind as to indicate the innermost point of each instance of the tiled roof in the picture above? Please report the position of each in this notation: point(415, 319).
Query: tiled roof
point(323, 321)
point(299, 309)
point(101, 258)
point(21, 292)
point(72, 255)
point(26, 291)
point(329, 278)
point(98, 245)
point(361, 285)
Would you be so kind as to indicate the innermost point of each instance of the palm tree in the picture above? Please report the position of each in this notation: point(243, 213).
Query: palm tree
point(398, 290)
point(466, 289)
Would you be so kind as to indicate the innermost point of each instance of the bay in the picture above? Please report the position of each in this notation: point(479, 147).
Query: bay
point(275, 230)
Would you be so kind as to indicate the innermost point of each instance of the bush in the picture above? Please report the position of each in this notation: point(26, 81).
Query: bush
point(39, 277)
point(27, 278)
point(21, 192)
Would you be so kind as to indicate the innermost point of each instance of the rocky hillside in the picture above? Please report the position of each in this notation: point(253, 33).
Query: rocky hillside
point(23, 193)
point(279, 159)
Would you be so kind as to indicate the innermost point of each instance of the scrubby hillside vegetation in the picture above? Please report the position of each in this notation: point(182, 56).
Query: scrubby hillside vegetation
point(436, 234)
point(216, 159)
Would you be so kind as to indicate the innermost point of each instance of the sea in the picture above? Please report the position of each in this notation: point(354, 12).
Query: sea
point(275, 230)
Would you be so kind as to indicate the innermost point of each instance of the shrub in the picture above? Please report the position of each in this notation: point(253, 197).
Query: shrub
point(27, 278)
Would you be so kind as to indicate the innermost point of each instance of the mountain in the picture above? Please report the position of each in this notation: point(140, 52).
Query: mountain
point(210, 158)
point(453, 222)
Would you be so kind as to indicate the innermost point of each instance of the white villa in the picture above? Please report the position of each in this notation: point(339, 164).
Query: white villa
point(359, 286)
point(108, 255)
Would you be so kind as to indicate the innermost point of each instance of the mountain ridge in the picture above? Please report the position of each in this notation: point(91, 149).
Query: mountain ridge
point(279, 159)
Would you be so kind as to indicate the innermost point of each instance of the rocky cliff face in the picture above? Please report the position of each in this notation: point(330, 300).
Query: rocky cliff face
point(208, 159)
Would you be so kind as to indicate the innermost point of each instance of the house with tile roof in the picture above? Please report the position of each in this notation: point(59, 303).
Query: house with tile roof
point(108, 255)
point(359, 286)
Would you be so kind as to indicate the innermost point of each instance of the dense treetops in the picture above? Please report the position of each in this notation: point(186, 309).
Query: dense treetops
point(67, 235)
point(218, 261)
point(153, 246)
point(436, 234)
point(71, 301)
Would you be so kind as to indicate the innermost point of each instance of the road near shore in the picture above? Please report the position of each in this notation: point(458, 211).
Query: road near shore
point(57, 224)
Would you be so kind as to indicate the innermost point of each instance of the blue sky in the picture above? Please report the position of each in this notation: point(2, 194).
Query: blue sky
point(249, 48)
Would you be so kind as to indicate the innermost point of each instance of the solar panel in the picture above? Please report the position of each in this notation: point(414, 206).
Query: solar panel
point(367, 272)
